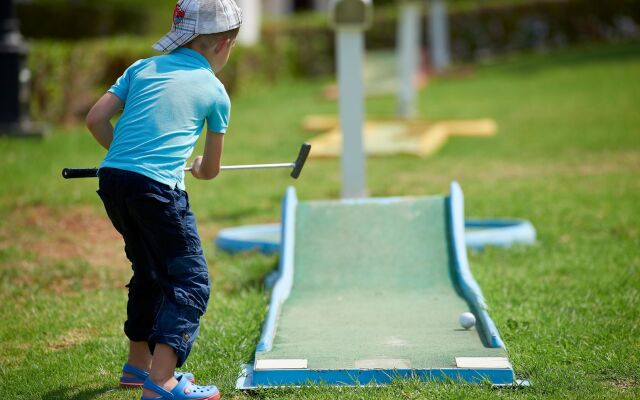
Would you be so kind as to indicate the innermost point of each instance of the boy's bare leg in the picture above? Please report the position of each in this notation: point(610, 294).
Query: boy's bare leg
point(139, 356)
point(163, 368)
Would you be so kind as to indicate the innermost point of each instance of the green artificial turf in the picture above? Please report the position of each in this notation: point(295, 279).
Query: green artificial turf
point(567, 157)
point(373, 285)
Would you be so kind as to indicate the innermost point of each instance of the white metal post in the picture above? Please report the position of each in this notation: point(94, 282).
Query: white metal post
point(408, 43)
point(439, 34)
point(350, 53)
point(252, 22)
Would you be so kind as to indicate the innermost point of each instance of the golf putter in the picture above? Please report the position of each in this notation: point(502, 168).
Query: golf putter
point(297, 165)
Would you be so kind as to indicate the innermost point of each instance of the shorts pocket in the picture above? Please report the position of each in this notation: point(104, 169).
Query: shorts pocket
point(189, 281)
point(156, 197)
point(157, 216)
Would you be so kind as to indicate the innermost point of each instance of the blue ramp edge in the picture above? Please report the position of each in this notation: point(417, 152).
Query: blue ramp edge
point(470, 288)
point(282, 287)
point(252, 379)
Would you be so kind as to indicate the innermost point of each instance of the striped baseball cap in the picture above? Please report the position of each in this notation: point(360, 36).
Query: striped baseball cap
point(195, 17)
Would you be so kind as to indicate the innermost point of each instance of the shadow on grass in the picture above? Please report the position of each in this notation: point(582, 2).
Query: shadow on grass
point(70, 393)
point(254, 276)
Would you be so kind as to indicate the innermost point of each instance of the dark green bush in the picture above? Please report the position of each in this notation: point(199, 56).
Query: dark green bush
point(69, 76)
point(541, 25)
point(73, 20)
point(476, 32)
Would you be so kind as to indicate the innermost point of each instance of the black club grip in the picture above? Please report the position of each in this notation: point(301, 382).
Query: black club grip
point(71, 173)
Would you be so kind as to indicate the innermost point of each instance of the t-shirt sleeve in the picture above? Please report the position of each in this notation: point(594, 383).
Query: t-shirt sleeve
point(218, 118)
point(122, 85)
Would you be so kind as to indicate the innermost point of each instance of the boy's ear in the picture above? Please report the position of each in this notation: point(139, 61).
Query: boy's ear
point(222, 44)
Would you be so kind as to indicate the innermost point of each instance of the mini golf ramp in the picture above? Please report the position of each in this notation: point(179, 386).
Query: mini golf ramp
point(371, 290)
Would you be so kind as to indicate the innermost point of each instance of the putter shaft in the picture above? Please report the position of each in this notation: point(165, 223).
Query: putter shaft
point(252, 166)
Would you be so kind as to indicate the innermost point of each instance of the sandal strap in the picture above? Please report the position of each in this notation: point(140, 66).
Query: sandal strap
point(130, 379)
point(130, 369)
point(149, 384)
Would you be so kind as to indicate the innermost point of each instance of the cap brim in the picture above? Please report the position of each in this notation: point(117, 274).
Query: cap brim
point(173, 40)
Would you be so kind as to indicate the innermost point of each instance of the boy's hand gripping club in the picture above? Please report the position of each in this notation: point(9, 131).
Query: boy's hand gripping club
point(70, 173)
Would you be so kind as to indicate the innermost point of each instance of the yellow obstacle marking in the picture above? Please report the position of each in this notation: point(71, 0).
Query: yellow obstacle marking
point(393, 136)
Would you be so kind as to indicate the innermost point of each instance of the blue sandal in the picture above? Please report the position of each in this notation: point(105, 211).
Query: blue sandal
point(184, 390)
point(140, 375)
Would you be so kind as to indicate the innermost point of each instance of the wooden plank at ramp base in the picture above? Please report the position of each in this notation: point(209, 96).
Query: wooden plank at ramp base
point(375, 289)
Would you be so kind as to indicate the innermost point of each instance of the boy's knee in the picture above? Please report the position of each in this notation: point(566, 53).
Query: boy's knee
point(189, 281)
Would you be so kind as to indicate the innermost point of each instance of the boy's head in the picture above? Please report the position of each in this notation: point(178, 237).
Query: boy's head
point(215, 47)
point(202, 24)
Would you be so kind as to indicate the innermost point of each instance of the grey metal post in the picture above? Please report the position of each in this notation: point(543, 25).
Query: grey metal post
point(408, 43)
point(350, 47)
point(439, 34)
point(350, 18)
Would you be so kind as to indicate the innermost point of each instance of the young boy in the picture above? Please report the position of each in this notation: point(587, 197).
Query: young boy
point(166, 101)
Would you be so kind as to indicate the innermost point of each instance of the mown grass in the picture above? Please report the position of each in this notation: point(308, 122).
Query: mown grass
point(567, 157)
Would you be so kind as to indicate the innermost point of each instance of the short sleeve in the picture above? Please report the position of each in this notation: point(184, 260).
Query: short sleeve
point(218, 118)
point(122, 85)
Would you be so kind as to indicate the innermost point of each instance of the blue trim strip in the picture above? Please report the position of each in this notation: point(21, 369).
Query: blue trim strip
point(352, 377)
point(470, 289)
point(298, 378)
point(282, 287)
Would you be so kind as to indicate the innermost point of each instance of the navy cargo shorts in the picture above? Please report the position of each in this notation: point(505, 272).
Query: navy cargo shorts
point(170, 287)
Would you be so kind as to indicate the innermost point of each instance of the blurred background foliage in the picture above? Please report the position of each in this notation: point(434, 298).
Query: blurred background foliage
point(79, 47)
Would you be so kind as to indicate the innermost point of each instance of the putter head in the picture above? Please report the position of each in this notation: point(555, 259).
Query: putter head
point(302, 158)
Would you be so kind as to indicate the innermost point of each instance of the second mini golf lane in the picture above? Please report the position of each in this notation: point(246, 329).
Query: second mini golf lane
point(374, 288)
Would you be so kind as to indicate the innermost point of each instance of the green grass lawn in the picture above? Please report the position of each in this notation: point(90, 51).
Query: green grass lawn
point(567, 157)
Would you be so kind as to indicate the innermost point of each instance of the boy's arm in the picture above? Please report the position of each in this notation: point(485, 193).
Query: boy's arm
point(99, 118)
point(207, 166)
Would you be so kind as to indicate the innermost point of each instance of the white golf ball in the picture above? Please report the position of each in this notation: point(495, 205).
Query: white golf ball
point(467, 320)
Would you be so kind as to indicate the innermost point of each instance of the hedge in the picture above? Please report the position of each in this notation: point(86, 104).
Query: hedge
point(62, 20)
point(75, 19)
point(478, 33)
point(69, 76)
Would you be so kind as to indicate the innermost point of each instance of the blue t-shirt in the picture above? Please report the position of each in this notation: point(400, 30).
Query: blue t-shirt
point(167, 100)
